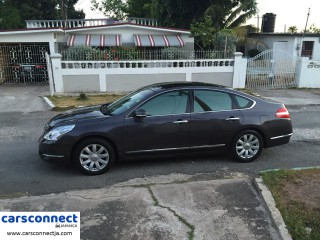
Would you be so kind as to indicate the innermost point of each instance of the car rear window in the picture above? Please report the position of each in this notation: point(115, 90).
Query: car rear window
point(243, 102)
point(207, 100)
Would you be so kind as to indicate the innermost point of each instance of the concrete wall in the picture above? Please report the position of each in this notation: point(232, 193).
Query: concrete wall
point(220, 78)
point(308, 73)
point(126, 83)
point(81, 83)
point(106, 76)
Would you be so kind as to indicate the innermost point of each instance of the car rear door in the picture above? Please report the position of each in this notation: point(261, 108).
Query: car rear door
point(164, 129)
point(214, 119)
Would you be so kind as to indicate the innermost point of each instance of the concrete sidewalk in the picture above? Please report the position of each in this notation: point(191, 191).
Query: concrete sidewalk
point(164, 207)
point(23, 98)
point(291, 97)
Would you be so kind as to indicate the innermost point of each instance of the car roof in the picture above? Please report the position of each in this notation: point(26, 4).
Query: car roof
point(171, 85)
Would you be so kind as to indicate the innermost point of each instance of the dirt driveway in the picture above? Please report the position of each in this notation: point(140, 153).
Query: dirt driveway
point(23, 98)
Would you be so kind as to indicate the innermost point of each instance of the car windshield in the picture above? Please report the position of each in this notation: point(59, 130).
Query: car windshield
point(126, 102)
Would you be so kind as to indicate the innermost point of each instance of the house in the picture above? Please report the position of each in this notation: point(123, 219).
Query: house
point(23, 51)
point(106, 55)
point(295, 44)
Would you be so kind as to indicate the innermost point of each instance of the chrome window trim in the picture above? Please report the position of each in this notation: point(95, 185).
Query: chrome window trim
point(194, 89)
point(254, 102)
point(165, 115)
point(218, 90)
point(172, 90)
point(281, 136)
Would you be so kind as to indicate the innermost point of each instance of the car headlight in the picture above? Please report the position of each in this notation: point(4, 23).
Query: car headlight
point(56, 133)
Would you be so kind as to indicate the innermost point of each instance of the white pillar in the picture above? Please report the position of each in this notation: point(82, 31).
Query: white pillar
point(102, 82)
point(240, 71)
point(301, 76)
point(188, 76)
point(57, 72)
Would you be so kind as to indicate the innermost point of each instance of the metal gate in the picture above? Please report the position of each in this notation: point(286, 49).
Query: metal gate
point(272, 69)
point(23, 63)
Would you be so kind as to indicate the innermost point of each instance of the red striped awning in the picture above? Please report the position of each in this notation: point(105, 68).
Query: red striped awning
point(158, 41)
point(94, 40)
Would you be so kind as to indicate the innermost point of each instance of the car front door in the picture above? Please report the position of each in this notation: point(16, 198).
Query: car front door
point(164, 127)
point(214, 119)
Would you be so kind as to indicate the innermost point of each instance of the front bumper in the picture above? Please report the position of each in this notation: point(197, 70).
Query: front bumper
point(54, 151)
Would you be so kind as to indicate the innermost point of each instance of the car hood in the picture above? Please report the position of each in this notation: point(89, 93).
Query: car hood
point(77, 115)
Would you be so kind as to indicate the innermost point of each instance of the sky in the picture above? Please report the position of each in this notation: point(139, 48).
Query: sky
point(289, 12)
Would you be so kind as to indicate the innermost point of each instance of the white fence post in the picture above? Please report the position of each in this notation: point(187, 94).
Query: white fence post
point(50, 76)
point(57, 73)
point(240, 71)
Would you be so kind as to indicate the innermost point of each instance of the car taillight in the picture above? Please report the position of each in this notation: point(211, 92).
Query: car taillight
point(283, 113)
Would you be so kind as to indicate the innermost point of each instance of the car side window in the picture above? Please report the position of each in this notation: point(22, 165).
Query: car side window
point(174, 102)
point(243, 102)
point(208, 100)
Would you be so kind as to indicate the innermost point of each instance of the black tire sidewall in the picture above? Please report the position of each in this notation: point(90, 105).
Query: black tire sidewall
point(234, 144)
point(89, 141)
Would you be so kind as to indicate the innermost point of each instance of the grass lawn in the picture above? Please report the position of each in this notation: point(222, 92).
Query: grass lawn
point(297, 195)
point(63, 103)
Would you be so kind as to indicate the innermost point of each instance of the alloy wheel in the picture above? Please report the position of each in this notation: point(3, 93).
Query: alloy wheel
point(247, 146)
point(94, 157)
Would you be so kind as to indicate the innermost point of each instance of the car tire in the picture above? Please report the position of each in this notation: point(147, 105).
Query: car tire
point(94, 156)
point(247, 146)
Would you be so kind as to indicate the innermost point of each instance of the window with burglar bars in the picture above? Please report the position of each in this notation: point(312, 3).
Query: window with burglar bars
point(307, 49)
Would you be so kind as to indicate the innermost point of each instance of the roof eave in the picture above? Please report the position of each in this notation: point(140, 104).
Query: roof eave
point(23, 31)
point(164, 29)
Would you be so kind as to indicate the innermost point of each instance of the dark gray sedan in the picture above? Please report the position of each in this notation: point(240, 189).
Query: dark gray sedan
point(167, 118)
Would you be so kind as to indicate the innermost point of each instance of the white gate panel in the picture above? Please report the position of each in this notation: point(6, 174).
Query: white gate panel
point(272, 69)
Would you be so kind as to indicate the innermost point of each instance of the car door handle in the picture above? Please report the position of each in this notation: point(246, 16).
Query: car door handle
point(180, 121)
point(232, 118)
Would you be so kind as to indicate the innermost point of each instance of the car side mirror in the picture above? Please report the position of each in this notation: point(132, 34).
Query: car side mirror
point(140, 113)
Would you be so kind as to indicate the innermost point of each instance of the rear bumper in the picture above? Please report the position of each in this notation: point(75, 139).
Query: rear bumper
point(278, 140)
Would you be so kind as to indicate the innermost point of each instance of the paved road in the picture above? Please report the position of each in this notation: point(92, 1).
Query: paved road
point(23, 173)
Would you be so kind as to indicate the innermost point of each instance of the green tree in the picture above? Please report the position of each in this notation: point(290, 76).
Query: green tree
point(293, 29)
point(208, 37)
point(314, 29)
point(203, 33)
point(15, 12)
point(181, 13)
point(226, 39)
point(10, 16)
point(111, 8)
point(72, 13)
point(141, 8)
point(231, 13)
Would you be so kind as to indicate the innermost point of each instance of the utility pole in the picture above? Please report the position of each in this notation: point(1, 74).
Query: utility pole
point(258, 22)
point(304, 32)
point(305, 28)
point(62, 9)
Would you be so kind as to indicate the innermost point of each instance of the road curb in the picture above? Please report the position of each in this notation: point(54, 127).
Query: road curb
point(47, 100)
point(271, 205)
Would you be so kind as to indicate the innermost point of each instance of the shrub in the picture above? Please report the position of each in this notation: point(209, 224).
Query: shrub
point(82, 97)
